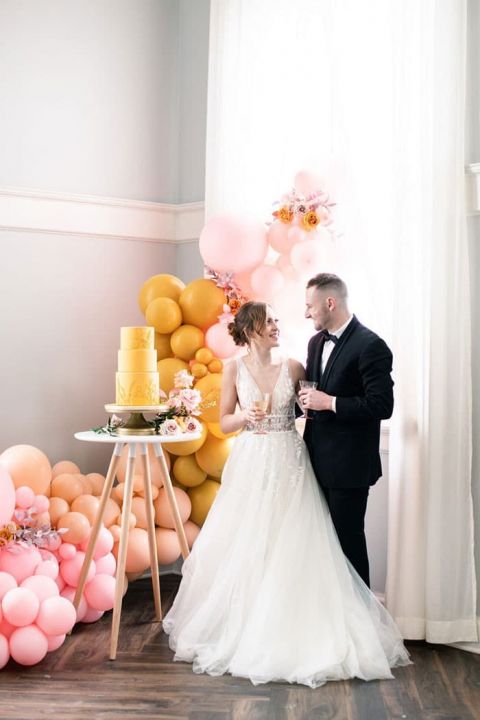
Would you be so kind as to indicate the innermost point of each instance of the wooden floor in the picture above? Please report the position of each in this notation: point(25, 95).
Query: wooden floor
point(78, 681)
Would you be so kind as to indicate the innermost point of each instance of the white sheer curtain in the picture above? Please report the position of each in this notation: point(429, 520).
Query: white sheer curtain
point(372, 96)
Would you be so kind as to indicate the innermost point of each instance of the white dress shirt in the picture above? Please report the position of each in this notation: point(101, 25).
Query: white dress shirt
point(328, 346)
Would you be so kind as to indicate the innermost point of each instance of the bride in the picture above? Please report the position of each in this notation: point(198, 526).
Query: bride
point(267, 593)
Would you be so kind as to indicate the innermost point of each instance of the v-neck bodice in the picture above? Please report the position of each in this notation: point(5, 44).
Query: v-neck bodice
point(283, 395)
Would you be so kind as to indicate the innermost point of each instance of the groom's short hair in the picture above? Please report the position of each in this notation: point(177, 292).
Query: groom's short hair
point(329, 281)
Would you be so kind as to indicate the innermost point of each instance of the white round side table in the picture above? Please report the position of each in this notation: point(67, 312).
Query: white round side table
point(133, 442)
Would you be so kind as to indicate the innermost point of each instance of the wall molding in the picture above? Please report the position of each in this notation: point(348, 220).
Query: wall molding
point(30, 210)
point(473, 188)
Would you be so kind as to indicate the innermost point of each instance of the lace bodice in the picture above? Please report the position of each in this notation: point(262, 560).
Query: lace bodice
point(282, 413)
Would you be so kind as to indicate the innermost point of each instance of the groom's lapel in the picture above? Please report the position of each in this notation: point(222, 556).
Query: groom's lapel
point(337, 350)
point(317, 360)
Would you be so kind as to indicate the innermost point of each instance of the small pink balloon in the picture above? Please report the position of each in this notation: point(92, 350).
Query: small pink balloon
point(67, 551)
point(5, 628)
point(54, 542)
point(100, 592)
point(92, 615)
point(28, 645)
point(7, 582)
point(191, 532)
point(307, 182)
point(20, 564)
point(20, 606)
point(106, 565)
point(220, 342)
point(70, 570)
point(306, 257)
point(42, 586)
point(60, 582)
point(41, 503)
point(4, 651)
point(103, 545)
point(267, 281)
point(286, 268)
point(55, 641)
point(56, 616)
point(24, 497)
point(47, 568)
point(69, 593)
point(7, 496)
point(234, 244)
point(278, 236)
point(296, 234)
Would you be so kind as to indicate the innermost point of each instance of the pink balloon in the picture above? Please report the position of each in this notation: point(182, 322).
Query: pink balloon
point(42, 586)
point(229, 243)
point(191, 531)
point(67, 551)
point(7, 582)
point(296, 234)
point(24, 497)
point(69, 593)
point(7, 496)
point(28, 645)
point(92, 615)
point(49, 568)
point(54, 542)
point(286, 268)
point(100, 592)
point(55, 641)
point(20, 564)
point(306, 257)
point(219, 341)
point(267, 281)
point(278, 236)
point(41, 503)
point(106, 565)
point(4, 651)
point(243, 282)
point(20, 606)
point(60, 582)
point(307, 182)
point(6, 629)
point(70, 570)
point(56, 616)
point(103, 545)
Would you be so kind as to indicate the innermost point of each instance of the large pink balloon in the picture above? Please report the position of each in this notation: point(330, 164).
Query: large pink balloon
point(307, 182)
point(7, 582)
point(20, 606)
point(278, 236)
point(42, 586)
point(232, 244)
point(56, 616)
point(7, 496)
point(20, 564)
point(70, 569)
point(220, 342)
point(28, 645)
point(4, 651)
point(267, 281)
point(55, 641)
point(69, 593)
point(306, 257)
point(28, 465)
point(100, 592)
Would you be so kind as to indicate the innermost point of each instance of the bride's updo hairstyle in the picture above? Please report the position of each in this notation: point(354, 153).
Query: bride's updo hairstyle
point(250, 318)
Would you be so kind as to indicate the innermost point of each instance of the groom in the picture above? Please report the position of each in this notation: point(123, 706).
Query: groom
point(352, 367)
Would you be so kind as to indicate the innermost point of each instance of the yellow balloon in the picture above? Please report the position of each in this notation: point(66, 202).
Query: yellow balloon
point(167, 368)
point(204, 355)
point(159, 286)
point(189, 446)
point(164, 314)
point(210, 387)
point(162, 346)
point(213, 455)
point(201, 303)
point(214, 429)
point(188, 472)
point(186, 340)
point(202, 498)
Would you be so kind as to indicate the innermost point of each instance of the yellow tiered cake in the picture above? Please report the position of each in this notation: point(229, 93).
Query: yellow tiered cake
point(137, 376)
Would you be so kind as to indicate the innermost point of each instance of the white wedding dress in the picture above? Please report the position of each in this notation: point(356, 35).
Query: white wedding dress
point(267, 593)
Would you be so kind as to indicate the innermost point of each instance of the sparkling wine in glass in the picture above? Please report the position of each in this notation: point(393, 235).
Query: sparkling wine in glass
point(261, 403)
point(312, 384)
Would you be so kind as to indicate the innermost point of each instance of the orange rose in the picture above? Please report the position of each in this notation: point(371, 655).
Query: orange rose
point(284, 214)
point(310, 220)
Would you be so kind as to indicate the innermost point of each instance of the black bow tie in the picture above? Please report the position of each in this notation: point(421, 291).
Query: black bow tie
point(328, 336)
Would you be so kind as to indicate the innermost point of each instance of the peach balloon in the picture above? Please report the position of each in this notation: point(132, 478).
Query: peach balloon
point(202, 498)
point(138, 553)
point(168, 547)
point(77, 527)
point(162, 285)
point(189, 446)
point(188, 472)
point(155, 491)
point(58, 507)
point(112, 512)
point(234, 244)
point(220, 341)
point(65, 466)
point(267, 281)
point(86, 484)
point(155, 470)
point(191, 532)
point(138, 509)
point(115, 531)
point(86, 505)
point(27, 465)
point(67, 487)
point(119, 491)
point(213, 455)
point(163, 515)
point(97, 482)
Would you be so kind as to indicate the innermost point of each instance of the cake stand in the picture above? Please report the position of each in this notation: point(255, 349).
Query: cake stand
point(136, 424)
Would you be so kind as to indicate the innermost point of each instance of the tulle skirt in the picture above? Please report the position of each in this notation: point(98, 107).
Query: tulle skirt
point(267, 593)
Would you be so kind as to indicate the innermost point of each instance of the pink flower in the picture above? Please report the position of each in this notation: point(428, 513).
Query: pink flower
point(192, 425)
point(169, 427)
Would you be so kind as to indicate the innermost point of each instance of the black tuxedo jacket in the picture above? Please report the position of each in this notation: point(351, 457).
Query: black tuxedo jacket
point(344, 445)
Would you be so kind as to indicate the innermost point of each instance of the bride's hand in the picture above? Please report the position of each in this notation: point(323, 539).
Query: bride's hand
point(254, 415)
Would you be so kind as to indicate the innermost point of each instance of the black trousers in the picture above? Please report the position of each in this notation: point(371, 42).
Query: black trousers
point(347, 508)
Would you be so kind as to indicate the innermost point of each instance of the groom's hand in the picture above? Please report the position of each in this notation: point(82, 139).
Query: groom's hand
point(315, 399)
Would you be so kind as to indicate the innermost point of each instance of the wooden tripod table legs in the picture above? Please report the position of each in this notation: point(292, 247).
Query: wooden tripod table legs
point(172, 501)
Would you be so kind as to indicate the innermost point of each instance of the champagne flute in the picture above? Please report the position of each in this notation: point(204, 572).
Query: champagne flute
point(260, 403)
point(311, 384)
